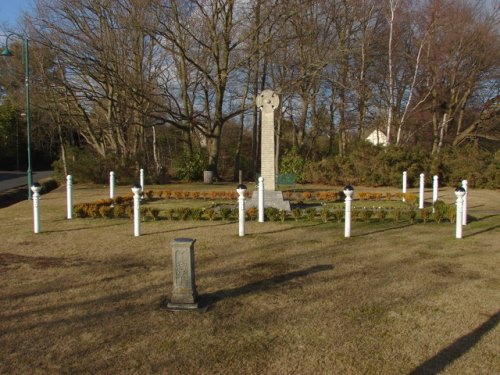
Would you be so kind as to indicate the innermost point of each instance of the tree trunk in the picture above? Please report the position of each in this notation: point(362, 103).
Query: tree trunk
point(390, 109)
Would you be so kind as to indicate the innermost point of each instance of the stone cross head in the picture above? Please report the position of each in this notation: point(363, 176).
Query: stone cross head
point(267, 101)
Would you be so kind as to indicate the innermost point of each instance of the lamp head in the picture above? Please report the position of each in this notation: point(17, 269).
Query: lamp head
point(136, 189)
point(36, 187)
point(241, 189)
point(348, 190)
point(459, 192)
point(6, 52)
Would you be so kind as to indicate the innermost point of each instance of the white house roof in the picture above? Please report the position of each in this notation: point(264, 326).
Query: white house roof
point(377, 137)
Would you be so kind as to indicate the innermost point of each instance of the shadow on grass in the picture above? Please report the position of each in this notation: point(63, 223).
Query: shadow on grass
point(189, 228)
point(461, 346)
point(84, 228)
point(286, 229)
point(56, 289)
point(382, 230)
point(473, 218)
point(482, 231)
point(477, 206)
point(105, 307)
point(212, 298)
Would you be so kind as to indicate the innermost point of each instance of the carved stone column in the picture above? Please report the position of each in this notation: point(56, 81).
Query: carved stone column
point(268, 101)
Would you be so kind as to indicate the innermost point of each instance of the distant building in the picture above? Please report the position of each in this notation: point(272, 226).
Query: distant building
point(377, 138)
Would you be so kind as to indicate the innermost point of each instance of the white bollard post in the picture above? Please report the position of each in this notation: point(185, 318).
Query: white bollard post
point(404, 185)
point(35, 188)
point(112, 185)
point(421, 195)
point(69, 196)
point(435, 188)
point(136, 189)
point(464, 208)
point(459, 192)
point(261, 199)
point(142, 182)
point(241, 190)
point(348, 191)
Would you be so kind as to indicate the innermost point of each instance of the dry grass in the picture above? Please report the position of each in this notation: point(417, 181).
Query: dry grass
point(83, 296)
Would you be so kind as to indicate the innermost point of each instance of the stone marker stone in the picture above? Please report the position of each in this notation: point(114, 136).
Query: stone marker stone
point(184, 294)
point(268, 101)
point(208, 177)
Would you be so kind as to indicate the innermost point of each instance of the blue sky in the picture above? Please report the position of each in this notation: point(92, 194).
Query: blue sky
point(11, 10)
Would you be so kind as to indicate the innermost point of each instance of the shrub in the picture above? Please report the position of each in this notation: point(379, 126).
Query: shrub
point(183, 213)
point(283, 214)
point(396, 214)
point(210, 214)
point(191, 167)
point(310, 214)
point(93, 210)
point(119, 211)
point(451, 213)
point(425, 214)
point(307, 195)
point(129, 211)
point(196, 213)
point(252, 213)
point(225, 213)
point(322, 195)
point(366, 214)
point(149, 194)
point(481, 168)
point(144, 212)
point(293, 162)
point(104, 202)
point(438, 216)
point(106, 212)
point(381, 214)
point(296, 213)
point(325, 214)
point(411, 199)
point(338, 215)
point(79, 211)
point(412, 214)
point(355, 214)
point(155, 213)
point(440, 211)
point(171, 214)
point(271, 213)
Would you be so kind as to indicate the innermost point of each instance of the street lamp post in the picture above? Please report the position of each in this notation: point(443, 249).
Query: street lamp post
point(6, 53)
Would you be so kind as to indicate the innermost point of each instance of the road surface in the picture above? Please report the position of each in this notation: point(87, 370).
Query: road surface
point(10, 180)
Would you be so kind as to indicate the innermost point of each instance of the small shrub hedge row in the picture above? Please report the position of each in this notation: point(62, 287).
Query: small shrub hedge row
point(298, 196)
point(106, 209)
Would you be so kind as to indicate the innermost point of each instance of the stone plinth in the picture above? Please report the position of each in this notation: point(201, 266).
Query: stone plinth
point(271, 199)
point(184, 294)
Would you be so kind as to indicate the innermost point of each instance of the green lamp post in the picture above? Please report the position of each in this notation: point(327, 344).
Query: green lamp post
point(7, 53)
